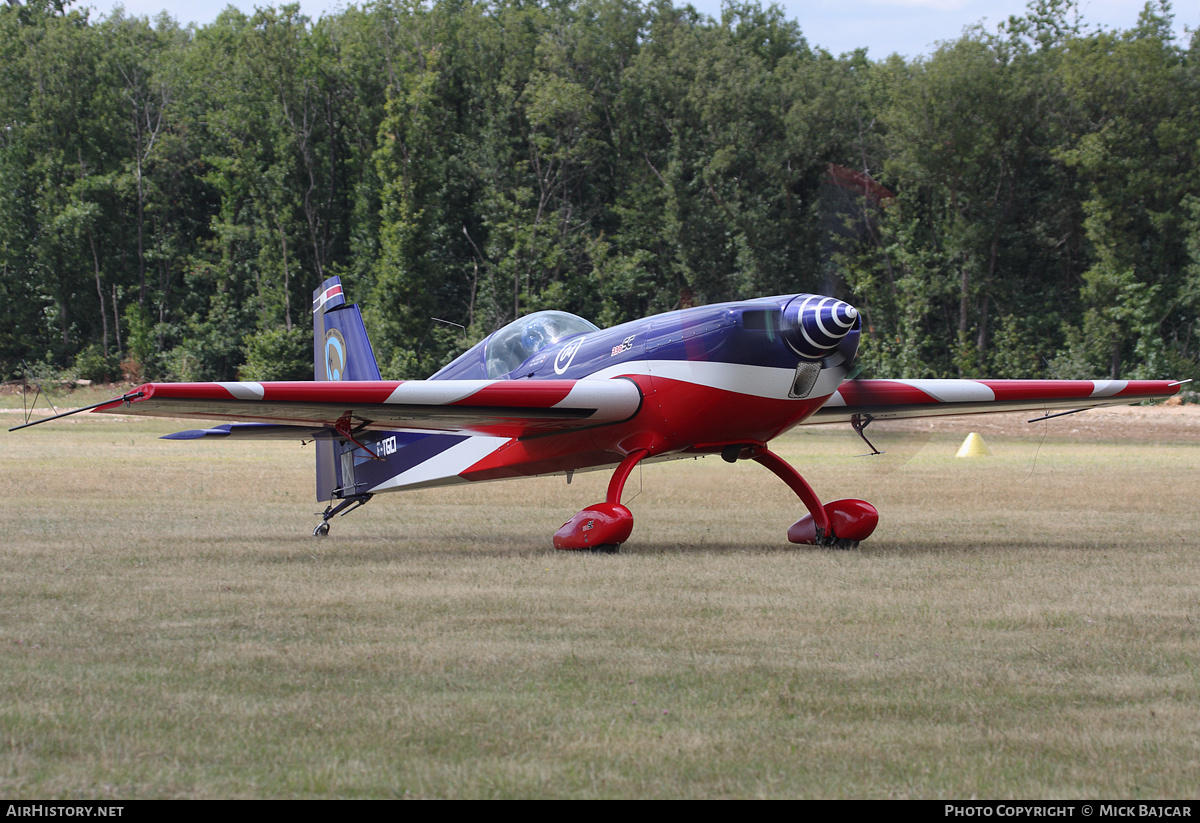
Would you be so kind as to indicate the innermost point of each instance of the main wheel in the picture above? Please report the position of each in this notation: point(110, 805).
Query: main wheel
point(321, 531)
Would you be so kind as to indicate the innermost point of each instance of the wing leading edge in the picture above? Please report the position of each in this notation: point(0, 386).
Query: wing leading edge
point(302, 410)
point(896, 399)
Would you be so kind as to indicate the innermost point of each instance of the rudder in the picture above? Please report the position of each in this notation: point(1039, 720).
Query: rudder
point(341, 351)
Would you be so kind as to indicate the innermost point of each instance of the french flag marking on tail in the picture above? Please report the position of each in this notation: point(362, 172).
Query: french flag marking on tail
point(329, 297)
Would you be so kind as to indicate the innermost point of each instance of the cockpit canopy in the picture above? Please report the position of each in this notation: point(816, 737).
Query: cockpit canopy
point(506, 349)
point(522, 339)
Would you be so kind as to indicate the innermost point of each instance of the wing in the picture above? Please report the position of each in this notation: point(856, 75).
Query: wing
point(316, 410)
point(895, 399)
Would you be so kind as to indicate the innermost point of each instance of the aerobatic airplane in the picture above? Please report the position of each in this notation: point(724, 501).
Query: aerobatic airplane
point(551, 393)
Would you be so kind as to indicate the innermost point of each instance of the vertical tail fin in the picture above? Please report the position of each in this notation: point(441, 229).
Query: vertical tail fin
point(341, 351)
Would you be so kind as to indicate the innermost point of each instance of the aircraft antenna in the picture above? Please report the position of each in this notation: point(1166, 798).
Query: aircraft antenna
point(457, 325)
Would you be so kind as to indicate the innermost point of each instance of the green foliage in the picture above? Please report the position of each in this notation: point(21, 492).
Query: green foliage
point(207, 353)
point(278, 354)
point(92, 364)
point(170, 198)
point(141, 347)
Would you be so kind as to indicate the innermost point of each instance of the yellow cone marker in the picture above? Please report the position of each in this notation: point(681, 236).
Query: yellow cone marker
point(974, 446)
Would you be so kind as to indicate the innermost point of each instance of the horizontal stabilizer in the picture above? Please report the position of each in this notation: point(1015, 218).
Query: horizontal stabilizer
point(254, 431)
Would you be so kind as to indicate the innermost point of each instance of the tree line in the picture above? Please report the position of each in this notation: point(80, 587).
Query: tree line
point(1021, 202)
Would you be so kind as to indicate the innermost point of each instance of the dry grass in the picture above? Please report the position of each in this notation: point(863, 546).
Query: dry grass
point(1021, 626)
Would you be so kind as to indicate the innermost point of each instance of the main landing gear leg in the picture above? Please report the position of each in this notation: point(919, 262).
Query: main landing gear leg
point(604, 526)
point(347, 505)
point(840, 524)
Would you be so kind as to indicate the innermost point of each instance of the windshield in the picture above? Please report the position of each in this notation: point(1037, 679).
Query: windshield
point(522, 339)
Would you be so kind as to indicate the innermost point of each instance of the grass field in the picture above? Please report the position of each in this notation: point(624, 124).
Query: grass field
point(1024, 625)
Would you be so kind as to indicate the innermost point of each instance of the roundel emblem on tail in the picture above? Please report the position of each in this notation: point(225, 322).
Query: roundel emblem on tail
point(335, 355)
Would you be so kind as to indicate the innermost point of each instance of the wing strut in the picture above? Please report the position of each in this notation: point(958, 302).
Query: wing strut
point(343, 426)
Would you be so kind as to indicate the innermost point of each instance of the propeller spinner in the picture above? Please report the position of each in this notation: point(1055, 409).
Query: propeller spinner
point(814, 327)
